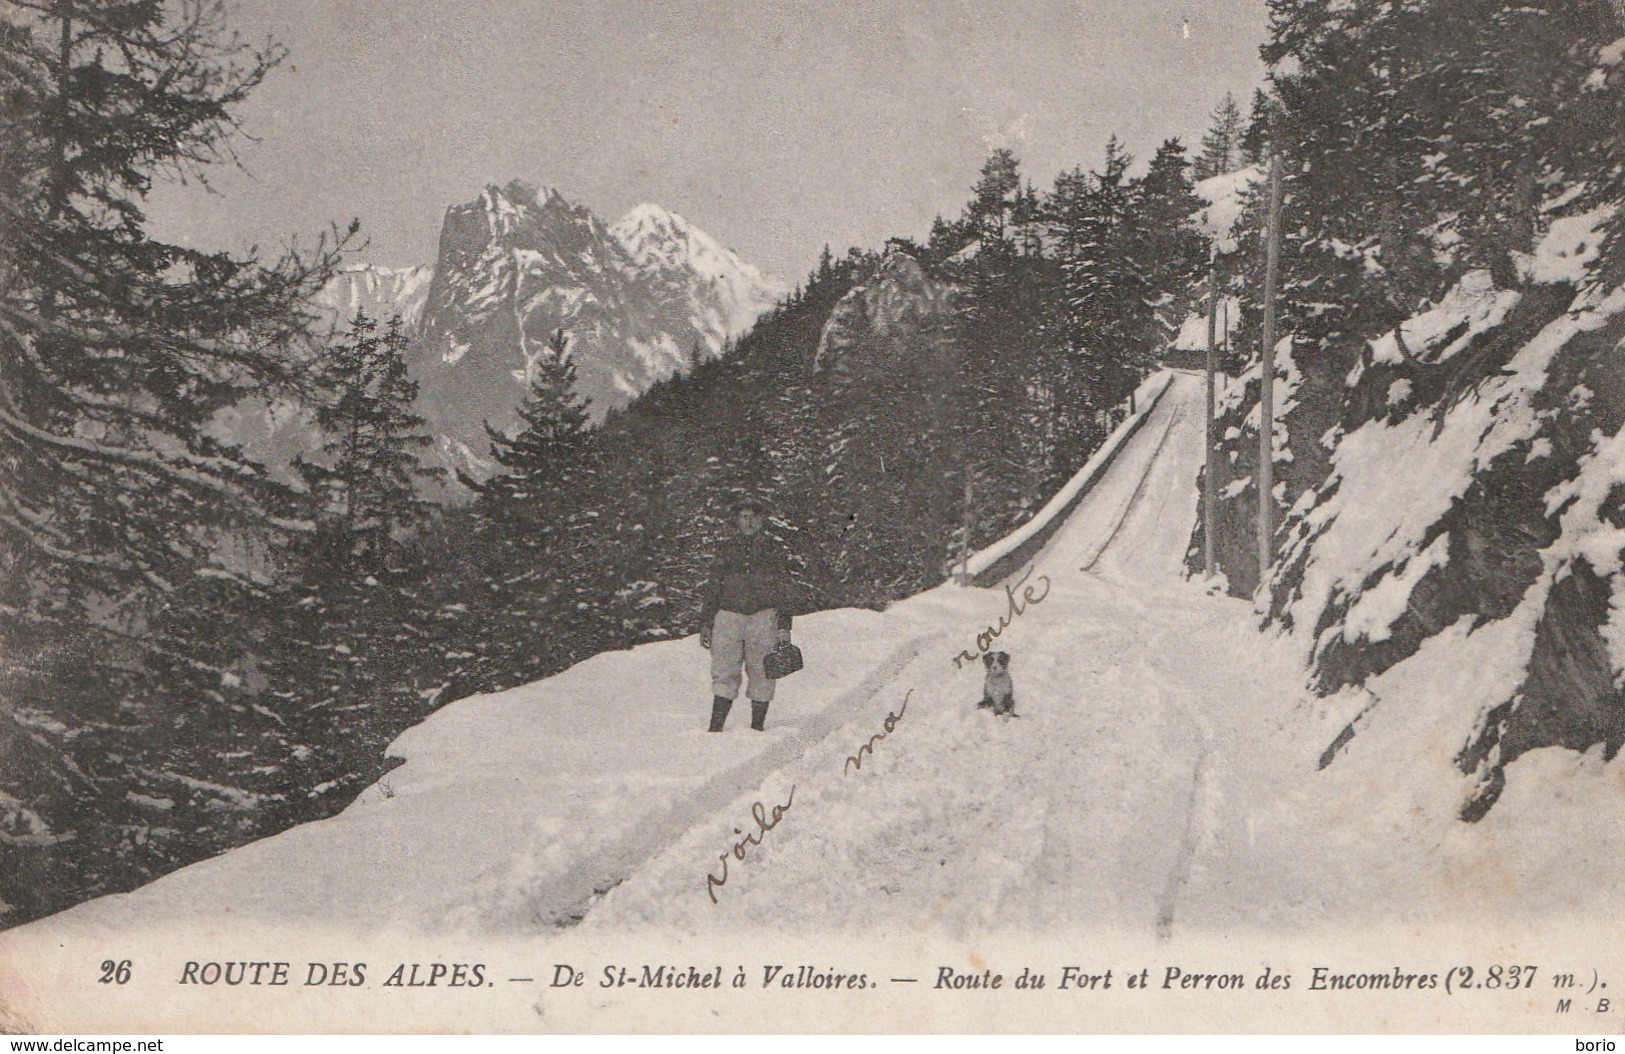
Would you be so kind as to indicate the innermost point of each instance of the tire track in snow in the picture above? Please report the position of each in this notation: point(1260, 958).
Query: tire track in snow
point(1134, 498)
point(1180, 873)
point(1196, 803)
point(590, 879)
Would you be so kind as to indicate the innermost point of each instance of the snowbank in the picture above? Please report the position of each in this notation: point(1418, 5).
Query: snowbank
point(1004, 556)
point(1226, 197)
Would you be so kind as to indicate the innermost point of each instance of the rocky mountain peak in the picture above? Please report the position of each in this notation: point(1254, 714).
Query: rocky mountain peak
point(653, 234)
point(517, 204)
point(380, 292)
point(520, 216)
point(656, 237)
point(733, 292)
point(637, 300)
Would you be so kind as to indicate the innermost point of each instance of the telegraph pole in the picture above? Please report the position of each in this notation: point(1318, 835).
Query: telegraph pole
point(1210, 503)
point(1266, 377)
point(964, 538)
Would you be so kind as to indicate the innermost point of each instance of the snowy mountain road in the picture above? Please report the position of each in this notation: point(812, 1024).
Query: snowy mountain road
point(1164, 766)
point(1090, 810)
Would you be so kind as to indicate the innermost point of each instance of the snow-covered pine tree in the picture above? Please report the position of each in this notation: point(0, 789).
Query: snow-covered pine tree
point(1062, 367)
point(546, 449)
point(1104, 294)
point(993, 198)
point(353, 616)
point(1455, 116)
point(1169, 252)
point(1255, 140)
point(128, 523)
point(634, 499)
point(947, 237)
point(534, 519)
point(1221, 146)
point(809, 430)
point(1533, 106)
point(1420, 141)
point(887, 458)
point(1003, 404)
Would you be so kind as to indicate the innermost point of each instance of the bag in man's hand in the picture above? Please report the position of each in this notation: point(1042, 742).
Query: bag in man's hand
point(782, 661)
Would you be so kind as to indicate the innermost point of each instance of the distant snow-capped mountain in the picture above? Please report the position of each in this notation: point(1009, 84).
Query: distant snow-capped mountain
point(381, 292)
point(640, 300)
point(733, 293)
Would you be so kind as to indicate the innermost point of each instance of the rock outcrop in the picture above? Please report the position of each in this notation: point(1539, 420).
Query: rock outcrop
point(899, 300)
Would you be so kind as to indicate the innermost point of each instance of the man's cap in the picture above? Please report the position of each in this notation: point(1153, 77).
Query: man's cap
point(753, 504)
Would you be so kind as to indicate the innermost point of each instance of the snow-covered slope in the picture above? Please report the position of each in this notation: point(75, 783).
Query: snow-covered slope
point(1160, 780)
point(1450, 549)
point(1162, 776)
point(1224, 197)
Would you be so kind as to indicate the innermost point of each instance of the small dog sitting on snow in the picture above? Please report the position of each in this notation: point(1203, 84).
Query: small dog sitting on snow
point(998, 691)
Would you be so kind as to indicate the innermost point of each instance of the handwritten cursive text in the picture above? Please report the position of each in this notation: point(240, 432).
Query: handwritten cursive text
point(763, 825)
point(855, 761)
point(985, 639)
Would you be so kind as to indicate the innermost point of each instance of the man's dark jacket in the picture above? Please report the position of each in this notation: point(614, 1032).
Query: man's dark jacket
point(750, 574)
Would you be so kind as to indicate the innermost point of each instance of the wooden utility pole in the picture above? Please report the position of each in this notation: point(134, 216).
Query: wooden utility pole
point(1210, 503)
point(1266, 378)
point(964, 520)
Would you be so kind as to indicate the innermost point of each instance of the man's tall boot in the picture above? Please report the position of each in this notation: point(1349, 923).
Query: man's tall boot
point(720, 706)
point(758, 715)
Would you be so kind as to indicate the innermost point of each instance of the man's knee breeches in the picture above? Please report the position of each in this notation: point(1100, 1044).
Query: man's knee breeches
point(743, 640)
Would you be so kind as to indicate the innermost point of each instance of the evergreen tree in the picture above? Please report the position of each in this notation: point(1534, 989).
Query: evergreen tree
point(1423, 139)
point(535, 522)
point(372, 491)
point(357, 597)
point(1222, 146)
point(130, 528)
point(545, 450)
point(1255, 140)
point(119, 349)
point(946, 238)
point(993, 198)
point(1106, 311)
point(1001, 423)
point(1169, 253)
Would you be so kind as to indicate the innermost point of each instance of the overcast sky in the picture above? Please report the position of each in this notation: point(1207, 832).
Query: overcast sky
point(777, 127)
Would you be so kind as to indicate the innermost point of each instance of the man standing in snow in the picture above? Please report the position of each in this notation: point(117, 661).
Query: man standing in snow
point(746, 612)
